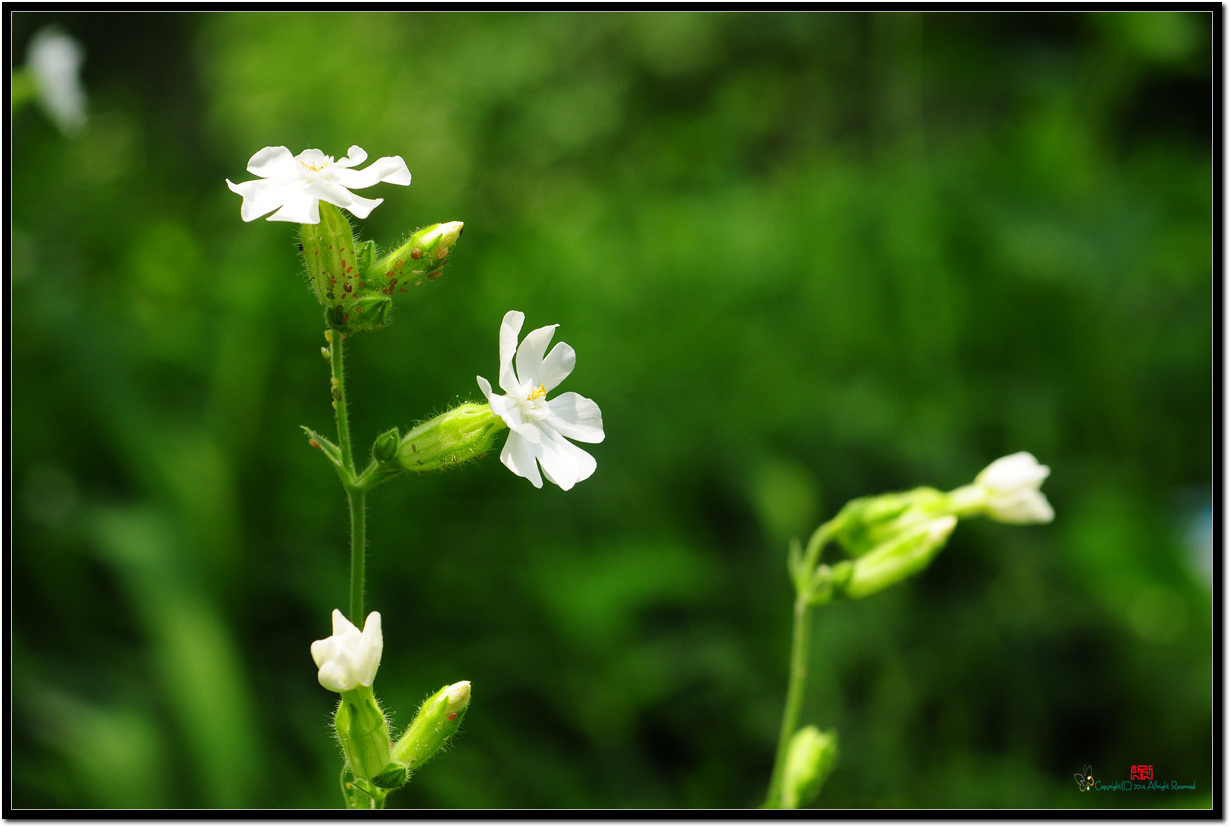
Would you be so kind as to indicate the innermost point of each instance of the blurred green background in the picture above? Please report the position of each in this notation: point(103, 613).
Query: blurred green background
point(802, 258)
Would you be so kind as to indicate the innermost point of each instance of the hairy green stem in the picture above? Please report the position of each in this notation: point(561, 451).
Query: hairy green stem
point(355, 493)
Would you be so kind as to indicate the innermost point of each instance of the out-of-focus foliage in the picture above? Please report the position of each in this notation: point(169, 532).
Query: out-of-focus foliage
point(802, 258)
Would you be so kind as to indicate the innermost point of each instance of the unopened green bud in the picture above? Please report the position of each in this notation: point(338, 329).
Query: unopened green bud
point(868, 522)
point(810, 758)
point(437, 721)
point(363, 732)
point(464, 433)
point(423, 255)
point(897, 559)
point(384, 449)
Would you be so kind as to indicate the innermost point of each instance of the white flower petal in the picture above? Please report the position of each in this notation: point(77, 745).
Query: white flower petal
point(274, 162)
point(259, 197)
point(390, 169)
point(1019, 470)
point(520, 456)
point(576, 417)
point(556, 367)
point(562, 462)
point(484, 386)
point(354, 156)
point(510, 327)
point(298, 210)
point(529, 354)
point(342, 625)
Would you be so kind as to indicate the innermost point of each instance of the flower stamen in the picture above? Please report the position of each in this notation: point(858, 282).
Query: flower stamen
point(539, 393)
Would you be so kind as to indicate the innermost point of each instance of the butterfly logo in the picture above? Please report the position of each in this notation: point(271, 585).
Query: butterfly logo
point(1084, 780)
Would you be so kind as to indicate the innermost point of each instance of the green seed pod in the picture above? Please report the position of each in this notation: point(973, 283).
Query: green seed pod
point(437, 721)
point(464, 433)
point(363, 732)
point(810, 758)
point(422, 256)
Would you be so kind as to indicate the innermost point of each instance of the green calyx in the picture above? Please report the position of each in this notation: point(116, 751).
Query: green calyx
point(467, 432)
point(363, 733)
point(337, 269)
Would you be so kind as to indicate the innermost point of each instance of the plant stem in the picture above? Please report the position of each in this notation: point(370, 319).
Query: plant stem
point(358, 551)
point(794, 696)
point(355, 494)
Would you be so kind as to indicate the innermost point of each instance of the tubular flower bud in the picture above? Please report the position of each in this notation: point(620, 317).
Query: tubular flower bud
point(810, 758)
point(423, 255)
point(349, 658)
point(897, 559)
point(437, 721)
point(464, 433)
point(1007, 490)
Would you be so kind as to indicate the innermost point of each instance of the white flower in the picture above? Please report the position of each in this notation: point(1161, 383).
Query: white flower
point(539, 426)
point(349, 658)
point(55, 59)
point(1011, 486)
point(294, 185)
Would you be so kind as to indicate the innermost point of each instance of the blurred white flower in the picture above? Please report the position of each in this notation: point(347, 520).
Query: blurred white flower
point(55, 59)
point(349, 658)
point(294, 185)
point(1011, 486)
point(540, 427)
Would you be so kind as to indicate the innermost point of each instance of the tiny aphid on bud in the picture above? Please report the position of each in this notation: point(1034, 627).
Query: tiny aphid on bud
point(416, 254)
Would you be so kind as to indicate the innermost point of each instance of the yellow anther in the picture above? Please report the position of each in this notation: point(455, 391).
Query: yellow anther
point(539, 393)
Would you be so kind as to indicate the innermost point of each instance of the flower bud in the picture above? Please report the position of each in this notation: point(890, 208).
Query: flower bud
point(384, 449)
point(437, 721)
point(1009, 489)
point(868, 522)
point(899, 558)
point(423, 255)
point(462, 434)
point(810, 758)
point(349, 658)
point(363, 732)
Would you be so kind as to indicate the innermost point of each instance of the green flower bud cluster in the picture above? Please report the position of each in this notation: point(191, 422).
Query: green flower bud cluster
point(355, 288)
point(887, 538)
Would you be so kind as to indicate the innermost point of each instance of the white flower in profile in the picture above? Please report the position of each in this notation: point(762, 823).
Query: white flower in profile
point(1011, 484)
point(540, 427)
point(349, 658)
point(294, 185)
point(55, 60)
